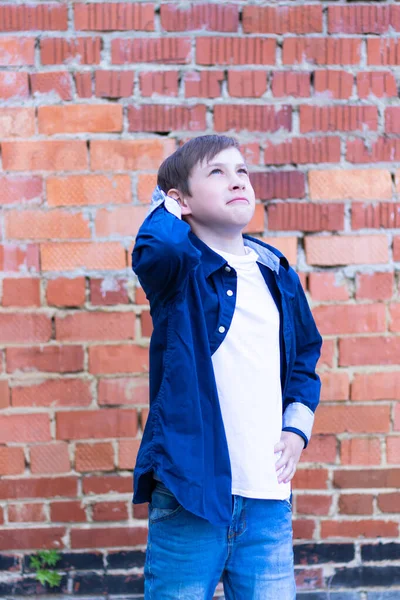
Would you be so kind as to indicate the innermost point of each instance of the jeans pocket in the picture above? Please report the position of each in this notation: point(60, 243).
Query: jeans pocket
point(163, 504)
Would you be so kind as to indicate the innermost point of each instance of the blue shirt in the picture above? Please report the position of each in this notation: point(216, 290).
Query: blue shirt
point(186, 282)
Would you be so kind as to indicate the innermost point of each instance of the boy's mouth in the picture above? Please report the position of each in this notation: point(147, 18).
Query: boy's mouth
point(238, 199)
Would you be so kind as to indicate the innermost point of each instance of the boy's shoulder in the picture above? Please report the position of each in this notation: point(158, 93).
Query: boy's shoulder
point(282, 263)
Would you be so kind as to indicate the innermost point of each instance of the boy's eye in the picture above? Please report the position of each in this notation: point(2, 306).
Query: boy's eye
point(216, 171)
point(243, 170)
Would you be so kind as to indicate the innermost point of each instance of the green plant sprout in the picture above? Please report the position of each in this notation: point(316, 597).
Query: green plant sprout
point(41, 562)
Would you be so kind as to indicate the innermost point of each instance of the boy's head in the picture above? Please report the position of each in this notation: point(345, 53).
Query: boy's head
point(209, 179)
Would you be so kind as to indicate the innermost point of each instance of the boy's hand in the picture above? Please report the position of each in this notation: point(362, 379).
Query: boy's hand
point(291, 446)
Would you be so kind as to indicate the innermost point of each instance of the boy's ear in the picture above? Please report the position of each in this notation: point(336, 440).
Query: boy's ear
point(176, 195)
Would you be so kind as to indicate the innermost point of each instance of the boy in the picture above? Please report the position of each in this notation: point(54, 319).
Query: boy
point(233, 387)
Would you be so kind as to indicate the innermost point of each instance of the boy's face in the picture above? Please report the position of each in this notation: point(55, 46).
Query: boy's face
point(222, 195)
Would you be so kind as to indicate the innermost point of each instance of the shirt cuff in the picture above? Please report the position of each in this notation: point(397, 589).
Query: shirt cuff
point(298, 416)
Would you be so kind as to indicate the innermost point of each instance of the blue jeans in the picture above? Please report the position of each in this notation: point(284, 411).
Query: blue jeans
point(187, 556)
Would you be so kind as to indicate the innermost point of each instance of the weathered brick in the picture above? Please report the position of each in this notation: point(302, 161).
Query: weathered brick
point(164, 118)
point(396, 248)
point(94, 457)
point(354, 529)
point(127, 452)
point(123, 390)
point(282, 185)
point(114, 84)
point(52, 392)
point(104, 423)
point(291, 216)
point(380, 150)
point(47, 155)
point(155, 50)
point(313, 504)
point(392, 119)
point(235, 51)
point(335, 386)
point(17, 51)
point(108, 292)
point(321, 51)
point(108, 537)
point(310, 479)
point(14, 85)
point(80, 118)
point(251, 118)
point(383, 51)
point(38, 487)
point(374, 350)
point(303, 150)
point(25, 428)
point(327, 287)
point(106, 484)
point(375, 216)
point(203, 84)
point(25, 538)
point(164, 83)
point(125, 358)
point(51, 359)
point(21, 292)
point(84, 84)
point(282, 19)
point(50, 458)
point(389, 503)
point(360, 451)
point(242, 84)
point(203, 16)
point(68, 256)
point(129, 155)
point(77, 190)
point(95, 326)
point(81, 50)
point(363, 19)
point(55, 224)
point(66, 292)
point(347, 250)
point(376, 83)
point(333, 84)
point(356, 504)
point(28, 512)
point(321, 448)
point(376, 386)
point(12, 460)
point(110, 511)
point(13, 257)
point(338, 118)
point(22, 189)
point(291, 83)
point(54, 82)
point(24, 328)
point(107, 16)
point(17, 122)
point(352, 419)
point(67, 511)
point(374, 286)
point(50, 16)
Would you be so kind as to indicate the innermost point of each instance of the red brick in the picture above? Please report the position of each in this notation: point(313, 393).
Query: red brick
point(161, 117)
point(242, 84)
point(203, 84)
point(123, 390)
point(303, 529)
point(51, 359)
point(327, 353)
point(52, 393)
point(352, 419)
point(335, 386)
point(327, 287)
point(140, 511)
point(361, 318)
point(21, 292)
point(164, 50)
point(371, 350)
point(17, 122)
point(321, 448)
point(312, 504)
point(80, 118)
point(77, 190)
point(338, 118)
point(303, 151)
point(108, 292)
point(84, 85)
point(80, 255)
point(12, 460)
point(336, 84)
point(13, 257)
point(24, 328)
point(30, 512)
point(321, 51)
point(360, 451)
point(146, 323)
point(94, 457)
point(123, 220)
point(286, 245)
point(394, 317)
point(105, 484)
point(13, 85)
point(135, 155)
point(92, 326)
point(140, 296)
point(108, 537)
point(4, 394)
point(292, 216)
point(355, 529)
point(203, 16)
point(17, 51)
point(363, 19)
point(124, 358)
point(80, 50)
point(278, 184)
point(396, 248)
point(22, 189)
point(110, 511)
point(24, 488)
point(313, 479)
point(251, 153)
point(376, 386)
point(376, 83)
point(382, 51)
point(25, 538)
point(396, 424)
point(381, 150)
point(393, 450)
point(164, 83)
point(104, 423)
point(356, 504)
point(114, 84)
point(309, 579)
point(67, 511)
point(66, 292)
point(50, 458)
point(107, 16)
point(252, 117)
point(389, 503)
point(376, 216)
point(235, 51)
point(391, 119)
point(282, 19)
point(346, 250)
point(46, 155)
point(55, 82)
point(256, 225)
point(54, 224)
point(127, 453)
point(41, 17)
point(25, 428)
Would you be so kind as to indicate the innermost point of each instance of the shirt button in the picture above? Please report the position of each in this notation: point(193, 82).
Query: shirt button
point(228, 269)
point(229, 293)
point(221, 329)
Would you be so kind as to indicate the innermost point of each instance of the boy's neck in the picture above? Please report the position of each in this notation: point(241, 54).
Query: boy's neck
point(232, 243)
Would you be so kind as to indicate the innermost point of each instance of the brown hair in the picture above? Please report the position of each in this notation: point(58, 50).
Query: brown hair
point(174, 172)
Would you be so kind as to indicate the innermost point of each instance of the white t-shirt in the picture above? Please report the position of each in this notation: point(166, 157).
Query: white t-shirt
point(247, 373)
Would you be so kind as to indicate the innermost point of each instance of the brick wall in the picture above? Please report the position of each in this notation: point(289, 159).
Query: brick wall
point(92, 98)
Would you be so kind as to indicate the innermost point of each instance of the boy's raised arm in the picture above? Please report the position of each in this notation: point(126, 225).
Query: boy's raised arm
point(163, 254)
